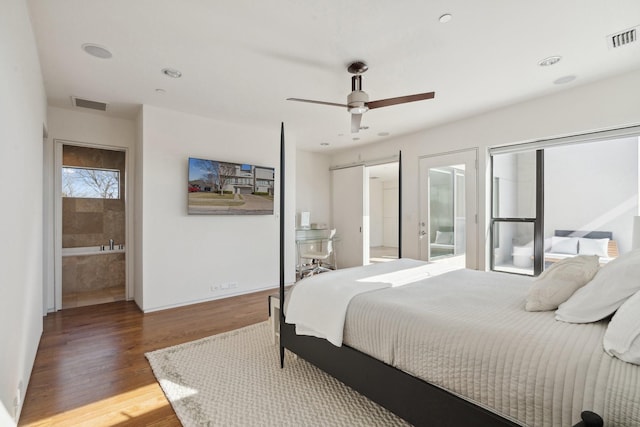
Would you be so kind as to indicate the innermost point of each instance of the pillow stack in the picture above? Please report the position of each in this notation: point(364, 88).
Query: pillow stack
point(584, 294)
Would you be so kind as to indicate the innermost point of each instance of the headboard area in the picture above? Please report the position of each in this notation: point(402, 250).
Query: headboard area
point(585, 234)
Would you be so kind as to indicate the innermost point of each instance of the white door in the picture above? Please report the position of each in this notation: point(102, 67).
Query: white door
point(448, 208)
point(349, 216)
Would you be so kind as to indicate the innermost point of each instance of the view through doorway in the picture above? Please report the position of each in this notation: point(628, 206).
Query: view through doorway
point(383, 212)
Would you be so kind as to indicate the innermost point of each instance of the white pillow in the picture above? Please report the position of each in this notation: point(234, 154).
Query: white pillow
point(622, 338)
point(598, 247)
point(444, 237)
point(564, 245)
point(556, 284)
point(612, 285)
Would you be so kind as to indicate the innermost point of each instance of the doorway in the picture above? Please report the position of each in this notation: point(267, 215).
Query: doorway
point(383, 211)
point(448, 209)
point(90, 225)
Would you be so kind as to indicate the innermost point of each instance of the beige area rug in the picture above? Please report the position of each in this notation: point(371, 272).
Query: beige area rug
point(234, 379)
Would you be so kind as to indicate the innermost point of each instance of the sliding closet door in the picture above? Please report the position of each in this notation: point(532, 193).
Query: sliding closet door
point(349, 215)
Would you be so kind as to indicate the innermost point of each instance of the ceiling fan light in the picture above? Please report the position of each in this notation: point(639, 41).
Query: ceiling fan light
point(357, 102)
point(358, 109)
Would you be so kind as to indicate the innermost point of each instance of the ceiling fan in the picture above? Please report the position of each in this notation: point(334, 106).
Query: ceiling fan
point(358, 100)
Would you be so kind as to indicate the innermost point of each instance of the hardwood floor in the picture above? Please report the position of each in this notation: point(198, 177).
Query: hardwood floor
point(91, 370)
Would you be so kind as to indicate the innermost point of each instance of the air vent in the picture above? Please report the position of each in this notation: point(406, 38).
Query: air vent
point(623, 38)
point(86, 103)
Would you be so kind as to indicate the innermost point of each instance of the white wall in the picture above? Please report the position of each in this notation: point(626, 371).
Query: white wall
point(592, 187)
point(313, 185)
point(22, 117)
point(602, 105)
point(183, 255)
point(96, 129)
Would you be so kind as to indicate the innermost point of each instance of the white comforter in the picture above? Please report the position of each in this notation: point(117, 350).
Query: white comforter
point(318, 305)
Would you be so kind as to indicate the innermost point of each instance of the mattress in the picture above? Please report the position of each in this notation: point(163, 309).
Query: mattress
point(467, 332)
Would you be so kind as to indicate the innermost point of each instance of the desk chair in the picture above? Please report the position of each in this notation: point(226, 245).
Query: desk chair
point(320, 255)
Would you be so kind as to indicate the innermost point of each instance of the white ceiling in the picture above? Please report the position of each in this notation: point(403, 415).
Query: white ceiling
point(241, 59)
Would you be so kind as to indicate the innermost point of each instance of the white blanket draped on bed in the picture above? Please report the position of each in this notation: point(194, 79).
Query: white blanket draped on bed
point(318, 305)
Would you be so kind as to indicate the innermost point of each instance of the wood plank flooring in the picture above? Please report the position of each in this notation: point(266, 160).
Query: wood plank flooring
point(90, 367)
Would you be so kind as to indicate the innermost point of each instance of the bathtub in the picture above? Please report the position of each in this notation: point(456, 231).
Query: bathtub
point(92, 250)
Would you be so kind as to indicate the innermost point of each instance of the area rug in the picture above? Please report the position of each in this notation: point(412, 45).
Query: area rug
point(234, 379)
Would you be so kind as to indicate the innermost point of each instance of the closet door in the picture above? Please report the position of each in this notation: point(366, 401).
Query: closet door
point(349, 216)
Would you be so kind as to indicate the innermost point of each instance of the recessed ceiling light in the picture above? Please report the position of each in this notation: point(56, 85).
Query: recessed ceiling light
point(565, 79)
point(445, 18)
point(161, 91)
point(549, 61)
point(97, 50)
point(172, 72)
point(383, 134)
point(324, 144)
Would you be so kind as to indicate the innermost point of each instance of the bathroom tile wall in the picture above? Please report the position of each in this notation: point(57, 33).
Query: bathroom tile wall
point(92, 222)
point(92, 272)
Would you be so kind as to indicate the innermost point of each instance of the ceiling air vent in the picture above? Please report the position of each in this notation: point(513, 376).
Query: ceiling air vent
point(623, 38)
point(86, 103)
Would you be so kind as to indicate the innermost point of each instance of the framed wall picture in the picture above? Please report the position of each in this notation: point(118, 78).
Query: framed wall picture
point(224, 188)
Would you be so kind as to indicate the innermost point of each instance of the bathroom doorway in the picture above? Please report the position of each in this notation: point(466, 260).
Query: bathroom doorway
point(90, 226)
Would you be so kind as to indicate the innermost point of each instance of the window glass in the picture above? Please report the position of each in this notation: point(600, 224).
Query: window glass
point(513, 247)
point(515, 175)
point(90, 183)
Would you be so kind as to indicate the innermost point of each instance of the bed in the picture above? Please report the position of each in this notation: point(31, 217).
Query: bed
point(466, 333)
point(480, 361)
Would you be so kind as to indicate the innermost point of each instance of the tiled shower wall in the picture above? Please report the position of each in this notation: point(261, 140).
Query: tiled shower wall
point(92, 222)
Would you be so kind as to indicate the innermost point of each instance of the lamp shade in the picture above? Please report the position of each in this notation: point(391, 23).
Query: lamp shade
point(635, 242)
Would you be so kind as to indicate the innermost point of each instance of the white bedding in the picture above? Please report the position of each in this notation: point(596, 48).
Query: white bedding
point(467, 332)
point(318, 305)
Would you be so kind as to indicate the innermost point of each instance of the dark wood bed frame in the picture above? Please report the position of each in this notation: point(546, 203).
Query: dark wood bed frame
point(414, 400)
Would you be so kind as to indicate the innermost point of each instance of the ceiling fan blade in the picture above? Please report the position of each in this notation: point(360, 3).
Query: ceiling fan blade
point(400, 100)
point(355, 122)
point(317, 102)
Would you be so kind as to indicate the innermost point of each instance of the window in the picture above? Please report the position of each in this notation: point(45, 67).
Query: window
point(578, 186)
point(516, 217)
point(90, 183)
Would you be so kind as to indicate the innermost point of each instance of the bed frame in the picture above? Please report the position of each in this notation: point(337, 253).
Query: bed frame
point(416, 401)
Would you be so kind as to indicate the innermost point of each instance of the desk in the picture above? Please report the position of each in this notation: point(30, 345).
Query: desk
point(308, 238)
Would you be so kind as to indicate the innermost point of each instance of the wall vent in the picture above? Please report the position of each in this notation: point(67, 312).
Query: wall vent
point(86, 103)
point(623, 38)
